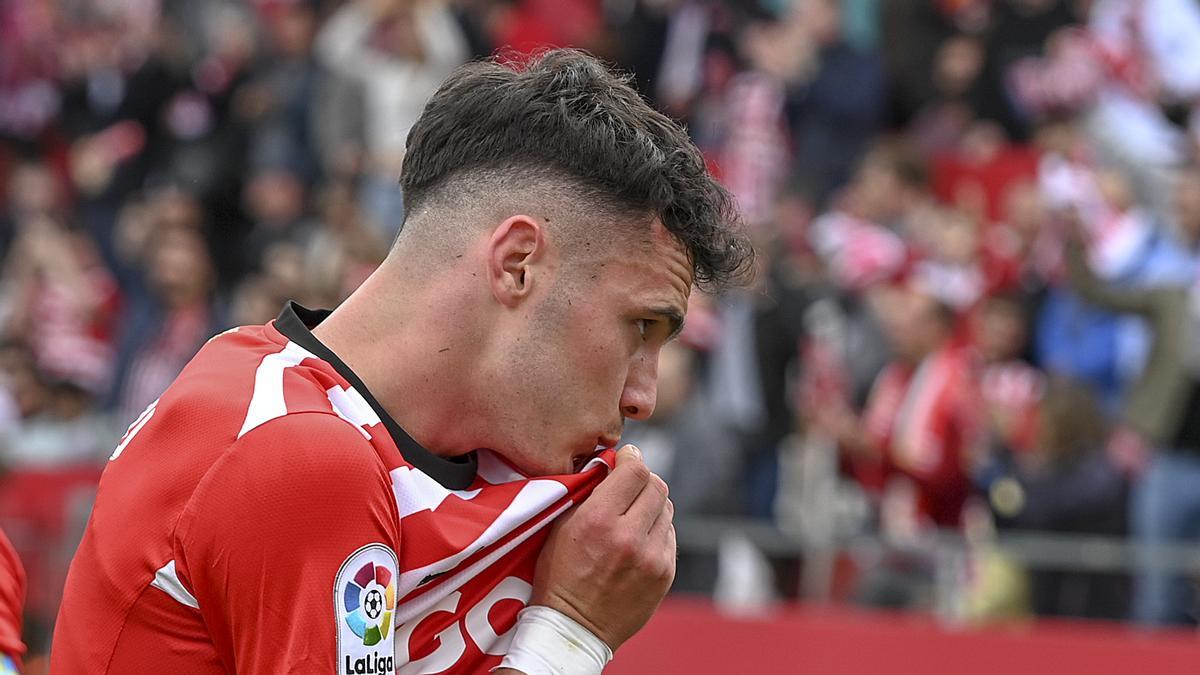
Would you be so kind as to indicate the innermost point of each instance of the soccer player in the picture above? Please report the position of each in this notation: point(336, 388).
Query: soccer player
point(371, 490)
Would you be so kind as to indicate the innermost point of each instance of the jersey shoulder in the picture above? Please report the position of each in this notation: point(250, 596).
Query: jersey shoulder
point(251, 375)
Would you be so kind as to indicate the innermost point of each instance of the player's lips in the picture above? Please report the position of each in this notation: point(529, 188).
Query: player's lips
point(603, 442)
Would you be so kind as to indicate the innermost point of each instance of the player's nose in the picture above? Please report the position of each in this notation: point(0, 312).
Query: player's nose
point(641, 389)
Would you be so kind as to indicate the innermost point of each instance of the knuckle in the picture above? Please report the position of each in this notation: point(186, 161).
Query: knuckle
point(624, 546)
point(649, 566)
point(593, 520)
point(639, 472)
point(659, 484)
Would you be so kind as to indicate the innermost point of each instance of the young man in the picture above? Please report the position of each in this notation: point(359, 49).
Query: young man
point(369, 491)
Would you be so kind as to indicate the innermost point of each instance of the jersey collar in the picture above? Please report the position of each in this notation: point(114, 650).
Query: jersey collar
point(295, 322)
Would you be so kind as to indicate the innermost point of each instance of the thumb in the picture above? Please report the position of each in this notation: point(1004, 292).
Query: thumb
point(628, 453)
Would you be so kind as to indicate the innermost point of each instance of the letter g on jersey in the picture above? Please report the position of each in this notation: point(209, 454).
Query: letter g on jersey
point(364, 599)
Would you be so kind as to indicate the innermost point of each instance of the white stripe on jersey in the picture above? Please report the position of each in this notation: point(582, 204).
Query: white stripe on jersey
point(352, 407)
point(535, 497)
point(416, 491)
point(267, 403)
point(492, 469)
point(421, 604)
point(167, 580)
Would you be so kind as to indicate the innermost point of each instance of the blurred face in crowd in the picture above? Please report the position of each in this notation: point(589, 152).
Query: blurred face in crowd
point(822, 18)
point(958, 238)
point(1059, 136)
point(33, 190)
point(1070, 422)
point(917, 325)
point(177, 209)
point(674, 381)
point(957, 64)
point(878, 191)
point(180, 267)
point(585, 354)
point(1115, 189)
point(275, 198)
point(255, 302)
point(1186, 204)
point(292, 30)
point(1025, 210)
point(230, 34)
point(283, 266)
point(1000, 330)
point(19, 376)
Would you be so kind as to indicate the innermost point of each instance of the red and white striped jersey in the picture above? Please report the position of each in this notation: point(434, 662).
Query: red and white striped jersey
point(266, 515)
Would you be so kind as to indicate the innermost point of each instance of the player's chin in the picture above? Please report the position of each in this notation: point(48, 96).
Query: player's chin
point(567, 460)
point(536, 466)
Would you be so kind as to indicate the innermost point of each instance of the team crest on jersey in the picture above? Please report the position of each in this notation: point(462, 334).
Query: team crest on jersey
point(364, 605)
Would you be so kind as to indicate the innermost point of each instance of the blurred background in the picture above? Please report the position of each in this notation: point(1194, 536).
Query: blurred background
point(965, 390)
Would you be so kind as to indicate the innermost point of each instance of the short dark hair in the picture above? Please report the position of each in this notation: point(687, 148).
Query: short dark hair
point(566, 112)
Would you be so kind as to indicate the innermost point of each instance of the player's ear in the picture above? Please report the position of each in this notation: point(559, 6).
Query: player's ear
point(516, 246)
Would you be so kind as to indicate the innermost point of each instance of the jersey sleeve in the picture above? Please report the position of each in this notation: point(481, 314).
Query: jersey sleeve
point(289, 546)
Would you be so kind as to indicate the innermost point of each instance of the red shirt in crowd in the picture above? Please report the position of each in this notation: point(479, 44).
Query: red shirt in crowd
point(925, 419)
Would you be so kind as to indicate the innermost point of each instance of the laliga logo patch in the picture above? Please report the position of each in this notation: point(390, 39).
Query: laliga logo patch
point(365, 600)
point(368, 600)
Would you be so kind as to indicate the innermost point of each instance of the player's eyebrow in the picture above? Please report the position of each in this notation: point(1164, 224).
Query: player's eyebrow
point(672, 315)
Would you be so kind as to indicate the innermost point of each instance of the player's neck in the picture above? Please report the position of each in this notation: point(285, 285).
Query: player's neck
point(411, 352)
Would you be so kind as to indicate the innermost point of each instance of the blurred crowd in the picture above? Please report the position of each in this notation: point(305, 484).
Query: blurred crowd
point(979, 223)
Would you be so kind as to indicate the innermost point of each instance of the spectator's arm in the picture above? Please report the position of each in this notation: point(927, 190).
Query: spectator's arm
point(342, 43)
point(442, 41)
point(1096, 291)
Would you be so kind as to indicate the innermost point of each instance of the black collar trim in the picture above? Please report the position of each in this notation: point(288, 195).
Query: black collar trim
point(295, 322)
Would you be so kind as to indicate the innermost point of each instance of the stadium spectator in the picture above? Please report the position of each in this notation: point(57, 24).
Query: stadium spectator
point(161, 335)
point(1010, 387)
point(921, 424)
point(835, 97)
point(1163, 407)
point(1066, 483)
point(397, 52)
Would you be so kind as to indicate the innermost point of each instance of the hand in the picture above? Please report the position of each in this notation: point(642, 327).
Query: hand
point(608, 563)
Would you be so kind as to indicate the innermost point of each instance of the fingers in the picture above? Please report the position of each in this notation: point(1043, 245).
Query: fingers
point(621, 488)
point(662, 538)
point(665, 519)
point(649, 504)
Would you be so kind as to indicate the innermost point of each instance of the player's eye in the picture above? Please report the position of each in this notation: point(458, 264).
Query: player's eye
point(644, 326)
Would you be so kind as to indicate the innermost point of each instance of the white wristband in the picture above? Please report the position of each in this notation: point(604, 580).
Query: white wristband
point(548, 642)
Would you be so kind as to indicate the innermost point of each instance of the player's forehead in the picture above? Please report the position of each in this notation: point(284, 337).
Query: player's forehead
point(671, 252)
point(654, 267)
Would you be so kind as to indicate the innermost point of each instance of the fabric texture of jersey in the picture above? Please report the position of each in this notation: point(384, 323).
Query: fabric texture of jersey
point(266, 515)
